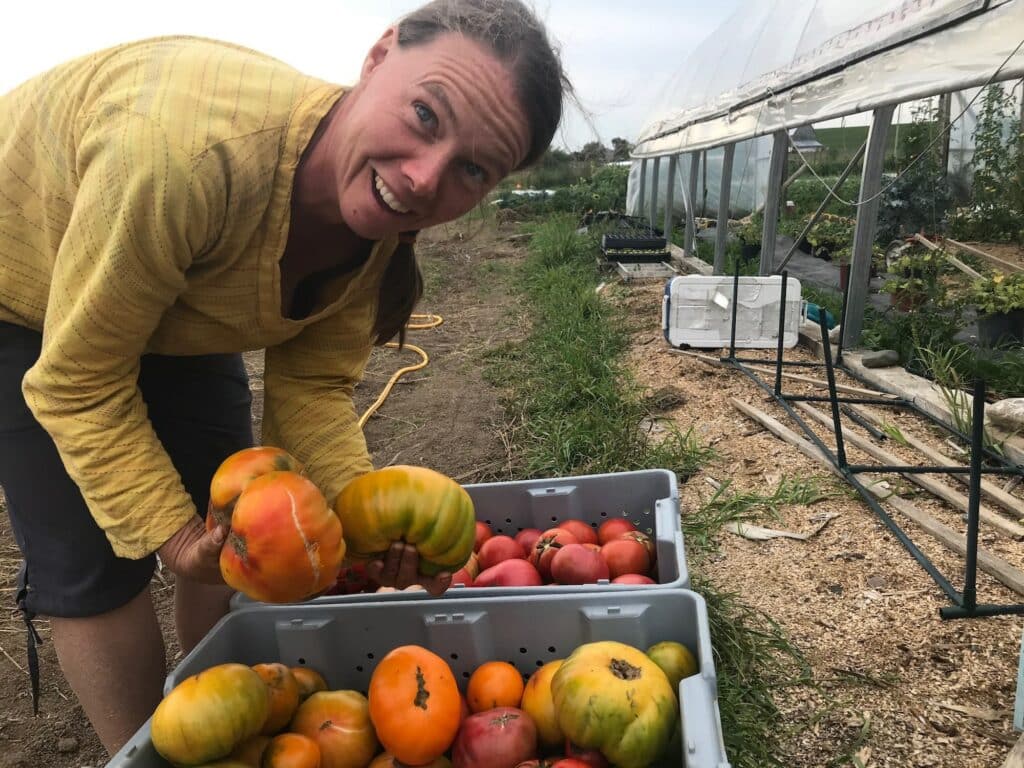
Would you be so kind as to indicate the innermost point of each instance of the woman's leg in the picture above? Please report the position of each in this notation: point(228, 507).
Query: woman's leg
point(115, 664)
point(201, 409)
point(104, 627)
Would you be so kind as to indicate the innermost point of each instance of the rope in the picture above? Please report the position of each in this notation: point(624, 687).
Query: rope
point(417, 322)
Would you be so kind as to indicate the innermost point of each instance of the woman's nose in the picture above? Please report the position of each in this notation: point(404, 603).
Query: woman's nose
point(424, 172)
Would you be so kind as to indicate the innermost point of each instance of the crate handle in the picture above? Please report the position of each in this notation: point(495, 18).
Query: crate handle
point(700, 715)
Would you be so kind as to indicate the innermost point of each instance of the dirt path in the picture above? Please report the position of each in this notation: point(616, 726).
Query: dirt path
point(851, 597)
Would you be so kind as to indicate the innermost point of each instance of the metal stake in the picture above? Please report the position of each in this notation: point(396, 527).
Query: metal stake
point(782, 332)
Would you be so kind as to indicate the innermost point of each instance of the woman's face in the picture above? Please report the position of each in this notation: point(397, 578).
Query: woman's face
point(428, 131)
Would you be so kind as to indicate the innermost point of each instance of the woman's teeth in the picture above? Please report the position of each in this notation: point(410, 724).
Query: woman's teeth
point(387, 196)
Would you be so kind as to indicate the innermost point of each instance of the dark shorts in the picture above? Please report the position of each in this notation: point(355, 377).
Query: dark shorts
point(201, 410)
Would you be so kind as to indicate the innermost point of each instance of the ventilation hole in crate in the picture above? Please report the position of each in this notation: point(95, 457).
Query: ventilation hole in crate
point(466, 675)
point(487, 521)
point(454, 656)
point(552, 649)
point(554, 519)
point(508, 520)
point(302, 661)
point(539, 663)
point(369, 655)
point(522, 650)
point(604, 514)
point(359, 668)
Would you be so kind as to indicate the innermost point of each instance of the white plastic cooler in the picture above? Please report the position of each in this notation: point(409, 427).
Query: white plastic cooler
point(697, 311)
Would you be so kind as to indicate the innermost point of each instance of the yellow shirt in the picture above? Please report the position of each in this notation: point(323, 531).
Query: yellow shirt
point(144, 205)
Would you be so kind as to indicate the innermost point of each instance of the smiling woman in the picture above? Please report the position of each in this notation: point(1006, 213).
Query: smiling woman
point(171, 202)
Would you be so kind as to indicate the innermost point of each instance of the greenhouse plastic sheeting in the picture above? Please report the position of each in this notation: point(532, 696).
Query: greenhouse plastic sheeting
point(804, 62)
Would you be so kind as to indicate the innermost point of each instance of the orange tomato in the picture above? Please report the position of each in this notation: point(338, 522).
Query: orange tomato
point(538, 704)
point(291, 750)
point(494, 684)
point(284, 695)
point(310, 681)
point(414, 704)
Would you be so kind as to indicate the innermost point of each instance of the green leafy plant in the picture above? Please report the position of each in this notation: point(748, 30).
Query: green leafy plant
point(915, 279)
point(996, 210)
point(998, 293)
point(832, 235)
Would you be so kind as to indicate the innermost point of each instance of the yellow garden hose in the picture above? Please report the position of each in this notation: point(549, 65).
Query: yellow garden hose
point(416, 323)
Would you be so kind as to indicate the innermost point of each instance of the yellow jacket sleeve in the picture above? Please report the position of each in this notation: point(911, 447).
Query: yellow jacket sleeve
point(138, 218)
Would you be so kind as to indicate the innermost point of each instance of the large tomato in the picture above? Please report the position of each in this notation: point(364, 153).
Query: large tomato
point(339, 723)
point(285, 543)
point(613, 697)
point(412, 504)
point(208, 714)
point(414, 704)
point(546, 547)
point(236, 472)
point(502, 737)
point(539, 705)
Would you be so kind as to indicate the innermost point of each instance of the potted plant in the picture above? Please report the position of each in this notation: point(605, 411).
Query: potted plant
point(830, 235)
point(749, 233)
point(914, 280)
point(999, 300)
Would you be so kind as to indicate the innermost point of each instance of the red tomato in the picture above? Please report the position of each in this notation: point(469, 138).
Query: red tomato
point(483, 533)
point(547, 546)
point(499, 548)
point(527, 538)
point(613, 528)
point(584, 532)
point(626, 556)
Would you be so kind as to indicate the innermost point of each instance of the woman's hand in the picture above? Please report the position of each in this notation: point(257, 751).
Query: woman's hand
point(194, 553)
point(400, 569)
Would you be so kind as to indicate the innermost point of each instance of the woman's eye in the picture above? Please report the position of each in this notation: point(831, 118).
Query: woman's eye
point(475, 172)
point(424, 114)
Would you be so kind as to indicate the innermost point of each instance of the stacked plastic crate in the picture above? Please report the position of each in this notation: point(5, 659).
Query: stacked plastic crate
point(342, 636)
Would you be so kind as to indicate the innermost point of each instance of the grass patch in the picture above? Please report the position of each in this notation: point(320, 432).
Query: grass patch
point(574, 407)
point(575, 404)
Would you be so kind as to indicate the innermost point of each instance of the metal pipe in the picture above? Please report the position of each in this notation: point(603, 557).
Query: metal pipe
point(782, 333)
point(867, 496)
point(970, 590)
point(735, 310)
point(872, 430)
point(979, 611)
point(914, 469)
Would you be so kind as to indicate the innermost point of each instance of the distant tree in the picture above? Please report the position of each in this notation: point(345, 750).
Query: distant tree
point(593, 151)
point(621, 149)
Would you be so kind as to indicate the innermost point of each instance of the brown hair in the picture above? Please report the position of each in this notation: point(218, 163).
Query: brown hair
point(516, 37)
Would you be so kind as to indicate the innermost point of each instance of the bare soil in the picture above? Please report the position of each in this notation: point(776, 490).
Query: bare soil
point(896, 685)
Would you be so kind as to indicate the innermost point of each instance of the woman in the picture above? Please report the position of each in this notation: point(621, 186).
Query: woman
point(167, 204)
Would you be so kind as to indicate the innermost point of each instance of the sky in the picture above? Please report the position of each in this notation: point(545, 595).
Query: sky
point(617, 54)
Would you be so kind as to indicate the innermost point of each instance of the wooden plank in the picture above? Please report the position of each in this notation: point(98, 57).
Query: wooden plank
point(995, 567)
point(1016, 757)
point(1010, 503)
point(993, 260)
point(945, 492)
point(948, 256)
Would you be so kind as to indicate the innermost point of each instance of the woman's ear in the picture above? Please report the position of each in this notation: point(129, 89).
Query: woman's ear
point(379, 51)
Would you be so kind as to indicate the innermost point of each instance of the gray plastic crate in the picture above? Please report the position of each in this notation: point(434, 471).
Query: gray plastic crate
point(344, 641)
point(649, 498)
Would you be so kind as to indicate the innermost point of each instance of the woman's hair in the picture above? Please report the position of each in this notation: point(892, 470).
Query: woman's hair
point(517, 38)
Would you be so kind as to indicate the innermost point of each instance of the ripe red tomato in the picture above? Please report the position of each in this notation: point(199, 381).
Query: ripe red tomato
point(483, 533)
point(626, 556)
point(613, 528)
point(584, 532)
point(499, 548)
